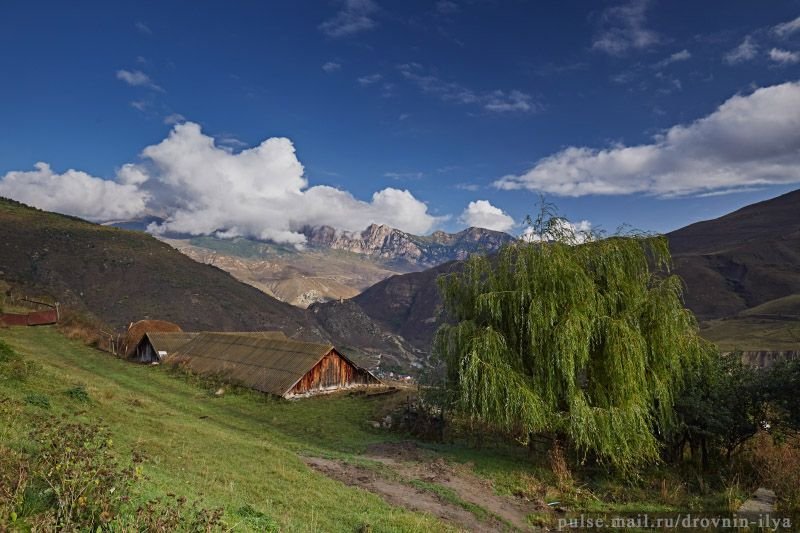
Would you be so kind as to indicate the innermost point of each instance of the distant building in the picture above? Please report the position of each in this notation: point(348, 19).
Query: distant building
point(279, 366)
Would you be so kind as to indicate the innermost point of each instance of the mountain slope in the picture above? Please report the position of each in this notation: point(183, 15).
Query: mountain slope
point(397, 246)
point(120, 276)
point(742, 276)
point(741, 260)
point(333, 265)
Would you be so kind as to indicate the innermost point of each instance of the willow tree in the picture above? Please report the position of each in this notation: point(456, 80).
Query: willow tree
point(579, 337)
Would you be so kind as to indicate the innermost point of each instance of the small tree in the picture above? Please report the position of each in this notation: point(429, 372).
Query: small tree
point(573, 335)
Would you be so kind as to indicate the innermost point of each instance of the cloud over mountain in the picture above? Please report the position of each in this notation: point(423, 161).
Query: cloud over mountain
point(482, 214)
point(202, 188)
point(751, 139)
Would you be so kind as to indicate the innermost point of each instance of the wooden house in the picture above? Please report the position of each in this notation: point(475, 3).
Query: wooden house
point(282, 367)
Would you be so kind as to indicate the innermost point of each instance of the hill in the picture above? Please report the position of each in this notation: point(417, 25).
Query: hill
point(316, 464)
point(120, 276)
point(333, 264)
point(742, 276)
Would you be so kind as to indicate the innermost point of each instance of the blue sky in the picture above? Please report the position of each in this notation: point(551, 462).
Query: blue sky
point(441, 99)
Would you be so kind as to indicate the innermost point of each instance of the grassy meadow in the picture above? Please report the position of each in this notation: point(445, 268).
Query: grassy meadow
point(242, 451)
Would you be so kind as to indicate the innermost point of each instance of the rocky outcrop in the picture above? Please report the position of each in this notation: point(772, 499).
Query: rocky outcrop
point(391, 244)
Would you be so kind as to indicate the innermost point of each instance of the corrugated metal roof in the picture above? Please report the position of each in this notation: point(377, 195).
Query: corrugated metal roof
point(270, 365)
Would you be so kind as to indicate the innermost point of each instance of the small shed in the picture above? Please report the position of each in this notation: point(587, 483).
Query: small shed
point(137, 330)
point(283, 367)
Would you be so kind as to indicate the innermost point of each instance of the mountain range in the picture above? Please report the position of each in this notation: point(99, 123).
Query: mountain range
point(334, 265)
point(376, 298)
point(741, 272)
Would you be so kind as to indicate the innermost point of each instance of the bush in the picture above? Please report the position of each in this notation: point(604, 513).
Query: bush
point(776, 465)
point(172, 514)
point(12, 365)
point(76, 463)
point(14, 474)
point(38, 400)
point(78, 393)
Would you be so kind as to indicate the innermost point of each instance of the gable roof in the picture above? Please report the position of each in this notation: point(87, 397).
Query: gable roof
point(271, 365)
point(168, 341)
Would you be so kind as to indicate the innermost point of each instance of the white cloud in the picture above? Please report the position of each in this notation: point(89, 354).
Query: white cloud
point(201, 188)
point(787, 28)
point(144, 28)
point(331, 66)
point(137, 78)
point(369, 79)
point(785, 57)
point(683, 55)
point(623, 28)
point(497, 101)
point(354, 17)
point(261, 192)
point(561, 230)
point(747, 50)
point(482, 214)
point(75, 193)
point(749, 140)
point(513, 101)
point(174, 118)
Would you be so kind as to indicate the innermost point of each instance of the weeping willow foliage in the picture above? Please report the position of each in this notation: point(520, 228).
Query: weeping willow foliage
point(588, 341)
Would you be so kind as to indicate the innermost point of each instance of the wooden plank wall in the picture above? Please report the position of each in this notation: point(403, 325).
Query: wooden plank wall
point(331, 372)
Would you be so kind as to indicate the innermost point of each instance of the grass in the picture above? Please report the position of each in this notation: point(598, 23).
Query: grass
point(753, 333)
point(243, 451)
point(239, 451)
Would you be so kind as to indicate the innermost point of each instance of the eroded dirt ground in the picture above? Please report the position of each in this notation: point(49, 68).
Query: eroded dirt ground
point(406, 476)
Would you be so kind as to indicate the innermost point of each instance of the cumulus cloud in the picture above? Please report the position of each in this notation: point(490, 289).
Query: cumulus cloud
point(76, 193)
point(202, 188)
point(784, 57)
point(787, 28)
point(749, 140)
point(624, 27)
point(137, 78)
point(331, 66)
point(354, 17)
point(747, 50)
point(482, 214)
point(561, 230)
point(261, 192)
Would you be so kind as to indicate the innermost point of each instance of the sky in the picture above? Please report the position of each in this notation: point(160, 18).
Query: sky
point(259, 118)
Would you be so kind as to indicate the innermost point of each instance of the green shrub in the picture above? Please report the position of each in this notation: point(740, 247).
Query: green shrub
point(258, 520)
point(38, 400)
point(86, 482)
point(7, 353)
point(171, 514)
point(78, 393)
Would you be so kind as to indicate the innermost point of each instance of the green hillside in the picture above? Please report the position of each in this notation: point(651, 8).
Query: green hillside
point(121, 276)
point(247, 454)
point(237, 450)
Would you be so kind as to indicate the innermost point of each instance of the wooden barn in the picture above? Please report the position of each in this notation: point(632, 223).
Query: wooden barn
point(154, 346)
point(283, 367)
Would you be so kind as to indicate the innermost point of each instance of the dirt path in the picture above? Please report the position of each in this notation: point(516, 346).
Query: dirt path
point(400, 494)
point(408, 463)
point(411, 462)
